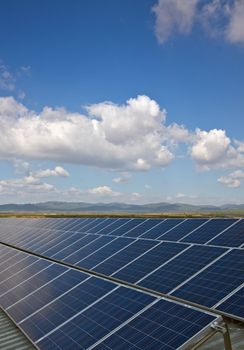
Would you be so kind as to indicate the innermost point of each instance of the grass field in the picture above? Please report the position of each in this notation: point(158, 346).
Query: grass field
point(220, 214)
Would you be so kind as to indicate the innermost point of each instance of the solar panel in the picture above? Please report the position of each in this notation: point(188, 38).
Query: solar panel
point(120, 231)
point(174, 268)
point(60, 242)
point(183, 229)
point(82, 253)
point(116, 224)
point(98, 320)
point(123, 257)
point(165, 325)
point(162, 228)
point(232, 237)
point(103, 224)
point(178, 270)
point(208, 230)
point(149, 261)
point(105, 252)
point(79, 244)
point(216, 281)
point(144, 227)
point(234, 305)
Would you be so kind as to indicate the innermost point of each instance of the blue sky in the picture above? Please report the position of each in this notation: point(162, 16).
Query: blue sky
point(109, 101)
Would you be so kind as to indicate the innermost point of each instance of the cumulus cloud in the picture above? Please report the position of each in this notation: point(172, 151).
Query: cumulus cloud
point(214, 150)
point(128, 137)
point(57, 171)
point(210, 147)
point(103, 191)
point(173, 16)
point(218, 18)
point(232, 180)
point(27, 185)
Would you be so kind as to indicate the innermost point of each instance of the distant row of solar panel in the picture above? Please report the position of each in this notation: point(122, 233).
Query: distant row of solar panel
point(60, 308)
point(222, 232)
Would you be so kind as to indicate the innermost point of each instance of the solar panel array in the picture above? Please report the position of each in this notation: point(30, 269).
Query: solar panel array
point(197, 260)
point(59, 307)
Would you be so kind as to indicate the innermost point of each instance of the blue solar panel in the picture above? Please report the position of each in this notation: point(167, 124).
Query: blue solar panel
point(165, 325)
point(208, 231)
point(70, 249)
point(60, 242)
point(38, 275)
point(144, 227)
point(125, 256)
point(234, 305)
point(232, 237)
point(88, 226)
point(215, 282)
point(183, 229)
point(170, 275)
point(98, 320)
point(35, 299)
point(120, 231)
point(116, 224)
point(26, 270)
point(67, 306)
point(103, 224)
point(82, 253)
point(149, 261)
point(97, 257)
point(163, 227)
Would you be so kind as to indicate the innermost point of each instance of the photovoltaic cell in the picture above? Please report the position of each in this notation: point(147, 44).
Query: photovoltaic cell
point(39, 298)
point(157, 231)
point(35, 280)
point(170, 275)
point(125, 256)
point(234, 305)
point(165, 325)
point(67, 306)
point(215, 282)
point(116, 224)
point(98, 320)
point(97, 257)
point(71, 249)
point(120, 231)
point(208, 231)
point(232, 237)
point(149, 261)
point(145, 226)
point(88, 249)
point(183, 229)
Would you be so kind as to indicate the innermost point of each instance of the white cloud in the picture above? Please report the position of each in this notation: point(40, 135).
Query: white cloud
point(218, 18)
point(210, 147)
point(123, 178)
point(233, 180)
point(103, 191)
point(26, 185)
point(173, 16)
point(57, 171)
point(213, 150)
point(128, 137)
point(148, 187)
point(7, 81)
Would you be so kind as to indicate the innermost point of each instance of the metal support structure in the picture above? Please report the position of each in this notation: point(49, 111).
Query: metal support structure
point(222, 327)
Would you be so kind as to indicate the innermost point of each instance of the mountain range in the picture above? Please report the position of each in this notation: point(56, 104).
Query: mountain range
point(163, 207)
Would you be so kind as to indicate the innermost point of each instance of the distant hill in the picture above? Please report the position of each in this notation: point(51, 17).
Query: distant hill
point(116, 207)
